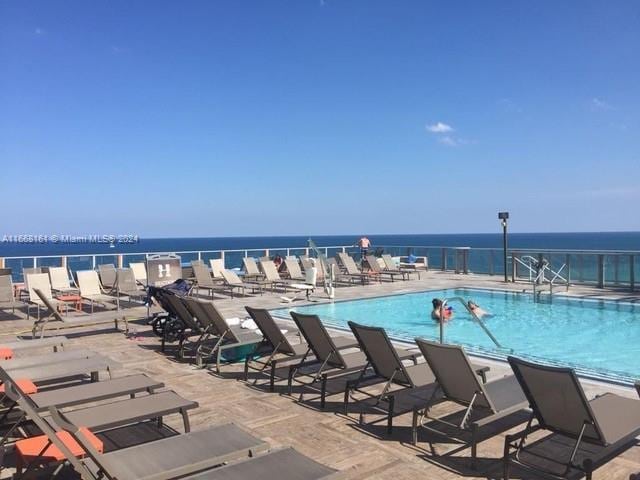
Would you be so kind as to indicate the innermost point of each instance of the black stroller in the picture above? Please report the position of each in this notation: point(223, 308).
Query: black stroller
point(167, 325)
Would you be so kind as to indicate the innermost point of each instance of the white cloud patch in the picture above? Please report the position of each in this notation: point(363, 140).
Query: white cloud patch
point(439, 127)
point(448, 141)
point(597, 104)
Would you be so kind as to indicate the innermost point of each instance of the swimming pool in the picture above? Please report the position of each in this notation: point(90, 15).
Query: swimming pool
point(600, 339)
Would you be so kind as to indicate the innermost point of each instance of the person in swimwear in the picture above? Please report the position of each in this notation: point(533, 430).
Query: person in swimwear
point(476, 310)
point(440, 314)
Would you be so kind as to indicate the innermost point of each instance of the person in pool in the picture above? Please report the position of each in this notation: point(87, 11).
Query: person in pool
point(476, 310)
point(440, 314)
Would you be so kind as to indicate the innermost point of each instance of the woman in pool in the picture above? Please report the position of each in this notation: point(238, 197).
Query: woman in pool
point(438, 313)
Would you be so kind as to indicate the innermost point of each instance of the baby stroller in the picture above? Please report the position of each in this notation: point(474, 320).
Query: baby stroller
point(167, 325)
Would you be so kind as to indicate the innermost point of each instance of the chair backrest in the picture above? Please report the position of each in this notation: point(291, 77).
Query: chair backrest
point(250, 266)
point(5, 271)
point(557, 399)
point(270, 330)
point(231, 278)
point(219, 325)
point(182, 311)
point(319, 340)
point(41, 282)
point(454, 373)
point(29, 271)
point(202, 276)
point(270, 271)
point(389, 264)
point(348, 263)
point(47, 303)
point(108, 274)
point(198, 262)
point(126, 280)
point(6, 289)
point(88, 282)
point(139, 271)
point(373, 264)
point(293, 267)
point(217, 265)
point(59, 278)
point(381, 353)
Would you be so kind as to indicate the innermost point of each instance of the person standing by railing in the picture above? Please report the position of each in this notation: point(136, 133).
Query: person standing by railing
point(364, 243)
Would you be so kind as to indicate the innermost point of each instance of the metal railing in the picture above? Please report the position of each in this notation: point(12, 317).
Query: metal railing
point(601, 268)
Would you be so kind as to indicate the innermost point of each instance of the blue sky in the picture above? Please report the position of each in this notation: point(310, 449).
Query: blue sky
point(305, 117)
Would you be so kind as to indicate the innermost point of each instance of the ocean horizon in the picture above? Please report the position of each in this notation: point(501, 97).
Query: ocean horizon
point(560, 240)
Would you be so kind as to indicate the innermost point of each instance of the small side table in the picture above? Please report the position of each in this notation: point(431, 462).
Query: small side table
point(74, 300)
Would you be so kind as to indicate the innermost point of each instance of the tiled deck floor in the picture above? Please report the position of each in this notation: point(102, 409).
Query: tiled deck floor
point(329, 437)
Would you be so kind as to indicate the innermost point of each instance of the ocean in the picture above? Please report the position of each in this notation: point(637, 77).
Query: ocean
point(577, 241)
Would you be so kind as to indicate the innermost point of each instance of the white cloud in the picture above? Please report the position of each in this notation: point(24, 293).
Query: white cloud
point(439, 127)
point(599, 104)
point(449, 141)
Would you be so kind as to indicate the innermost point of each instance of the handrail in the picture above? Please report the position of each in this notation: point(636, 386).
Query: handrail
point(477, 319)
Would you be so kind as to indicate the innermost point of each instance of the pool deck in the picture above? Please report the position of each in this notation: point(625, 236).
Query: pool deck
point(360, 451)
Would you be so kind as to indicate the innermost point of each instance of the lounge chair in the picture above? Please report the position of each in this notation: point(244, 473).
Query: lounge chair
point(127, 286)
point(18, 345)
point(90, 290)
point(7, 299)
point(609, 423)
point(140, 272)
point(251, 270)
point(280, 345)
point(60, 282)
point(108, 276)
point(217, 266)
point(352, 272)
point(416, 380)
point(233, 282)
point(72, 395)
point(40, 282)
point(84, 320)
point(227, 337)
point(168, 458)
point(192, 325)
point(329, 362)
point(283, 464)
point(374, 267)
point(273, 276)
point(390, 266)
point(204, 280)
point(294, 270)
point(46, 359)
point(485, 403)
point(54, 372)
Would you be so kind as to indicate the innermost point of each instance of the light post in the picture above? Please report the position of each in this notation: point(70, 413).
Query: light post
point(503, 217)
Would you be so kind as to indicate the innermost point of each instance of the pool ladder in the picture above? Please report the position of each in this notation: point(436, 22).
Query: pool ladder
point(475, 317)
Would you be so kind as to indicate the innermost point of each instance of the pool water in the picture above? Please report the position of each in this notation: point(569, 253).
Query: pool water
point(599, 339)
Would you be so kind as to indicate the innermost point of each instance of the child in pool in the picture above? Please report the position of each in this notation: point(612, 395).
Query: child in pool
point(475, 309)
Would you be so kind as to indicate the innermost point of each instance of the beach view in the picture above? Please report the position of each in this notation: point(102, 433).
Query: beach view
point(319, 239)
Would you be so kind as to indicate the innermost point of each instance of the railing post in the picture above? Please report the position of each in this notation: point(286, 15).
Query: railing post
point(93, 262)
point(344, 249)
point(616, 269)
point(246, 253)
point(444, 259)
point(35, 262)
point(465, 261)
point(120, 263)
point(199, 255)
point(567, 262)
point(600, 271)
point(514, 266)
point(222, 258)
point(266, 253)
point(1, 262)
point(632, 273)
point(63, 261)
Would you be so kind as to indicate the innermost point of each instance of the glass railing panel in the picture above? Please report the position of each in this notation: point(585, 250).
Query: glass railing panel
point(297, 252)
point(79, 263)
point(106, 260)
point(129, 258)
point(49, 261)
point(206, 256)
point(16, 265)
point(233, 260)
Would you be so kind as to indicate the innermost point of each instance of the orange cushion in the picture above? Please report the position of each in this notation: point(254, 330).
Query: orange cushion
point(29, 449)
point(24, 384)
point(6, 353)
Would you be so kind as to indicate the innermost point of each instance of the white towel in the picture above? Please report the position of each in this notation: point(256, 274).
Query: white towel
point(233, 321)
point(249, 324)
